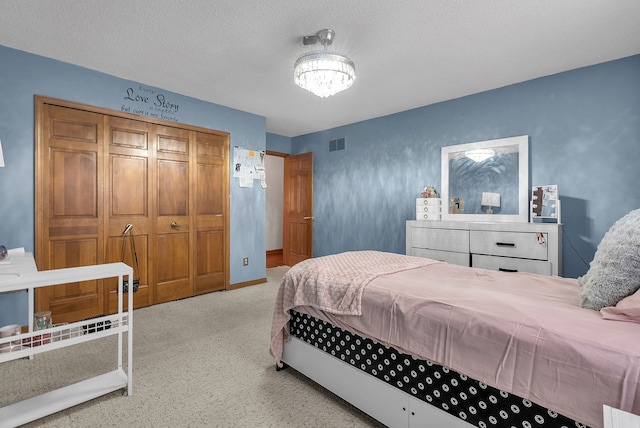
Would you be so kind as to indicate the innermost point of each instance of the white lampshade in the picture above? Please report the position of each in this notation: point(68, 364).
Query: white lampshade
point(490, 199)
point(1, 157)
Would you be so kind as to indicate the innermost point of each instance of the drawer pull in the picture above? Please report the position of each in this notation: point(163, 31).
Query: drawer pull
point(507, 270)
point(505, 244)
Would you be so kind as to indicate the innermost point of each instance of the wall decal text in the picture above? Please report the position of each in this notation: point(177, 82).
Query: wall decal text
point(148, 102)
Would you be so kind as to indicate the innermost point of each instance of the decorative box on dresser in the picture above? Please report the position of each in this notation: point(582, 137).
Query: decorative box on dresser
point(428, 209)
point(510, 247)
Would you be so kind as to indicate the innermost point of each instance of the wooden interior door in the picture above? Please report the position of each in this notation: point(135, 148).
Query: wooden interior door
point(173, 243)
point(298, 209)
point(129, 201)
point(69, 173)
point(211, 204)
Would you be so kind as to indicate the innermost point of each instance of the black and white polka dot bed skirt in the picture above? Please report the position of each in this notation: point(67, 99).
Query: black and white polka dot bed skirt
point(479, 404)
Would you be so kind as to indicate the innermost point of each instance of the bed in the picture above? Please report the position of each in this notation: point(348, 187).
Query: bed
point(401, 337)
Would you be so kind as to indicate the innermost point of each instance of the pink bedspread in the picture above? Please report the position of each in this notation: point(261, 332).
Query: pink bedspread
point(333, 284)
point(523, 333)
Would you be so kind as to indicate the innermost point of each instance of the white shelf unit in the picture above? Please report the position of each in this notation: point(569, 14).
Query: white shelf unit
point(21, 278)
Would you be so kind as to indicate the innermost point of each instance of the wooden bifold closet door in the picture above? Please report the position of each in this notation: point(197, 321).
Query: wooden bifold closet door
point(96, 172)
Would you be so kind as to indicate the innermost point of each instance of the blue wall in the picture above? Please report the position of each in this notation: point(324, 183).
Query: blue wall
point(24, 75)
point(584, 136)
point(278, 143)
point(584, 129)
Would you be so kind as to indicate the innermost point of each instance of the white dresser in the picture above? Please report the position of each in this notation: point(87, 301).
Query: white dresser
point(510, 247)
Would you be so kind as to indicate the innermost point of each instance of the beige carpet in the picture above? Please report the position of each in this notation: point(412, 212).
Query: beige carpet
point(198, 362)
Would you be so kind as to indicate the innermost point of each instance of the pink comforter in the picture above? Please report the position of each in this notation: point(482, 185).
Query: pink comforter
point(522, 333)
point(333, 284)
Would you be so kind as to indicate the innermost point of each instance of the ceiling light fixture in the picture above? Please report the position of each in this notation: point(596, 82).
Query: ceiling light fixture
point(479, 155)
point(323, 73)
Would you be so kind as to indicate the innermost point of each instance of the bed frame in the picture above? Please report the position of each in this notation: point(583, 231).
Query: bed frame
point(397, 387)
point(400, 390)
point(387, 404)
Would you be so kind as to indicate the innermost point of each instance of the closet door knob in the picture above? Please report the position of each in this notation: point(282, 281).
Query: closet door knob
point(174, 225)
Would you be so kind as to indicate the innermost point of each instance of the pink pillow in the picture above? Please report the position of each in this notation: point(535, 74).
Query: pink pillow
point(627, 309)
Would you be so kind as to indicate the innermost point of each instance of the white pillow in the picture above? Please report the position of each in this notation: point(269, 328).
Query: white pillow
point(614, 272)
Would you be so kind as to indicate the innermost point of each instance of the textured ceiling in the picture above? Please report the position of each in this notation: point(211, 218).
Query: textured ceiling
point(408, 53)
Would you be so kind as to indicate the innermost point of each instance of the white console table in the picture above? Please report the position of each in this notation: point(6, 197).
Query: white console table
point(19, 274)
point(511, 247)
point(11, 268)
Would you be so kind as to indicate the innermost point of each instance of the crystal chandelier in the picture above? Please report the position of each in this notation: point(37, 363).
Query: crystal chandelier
point(479, 155)
point(323, 73)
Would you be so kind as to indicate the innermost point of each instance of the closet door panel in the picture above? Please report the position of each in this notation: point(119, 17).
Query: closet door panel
point(74, 301)
point(173, 267)
point(172, 141)
point(210, 205)
point(69, 208)
point(128, 134)
point(128, 202)
point(129, 186)
point(210, 269)
point(142, 297)
point(209, 195)
point(173, 222)
point(98, 171)
point(74, 184)
point(173, 188)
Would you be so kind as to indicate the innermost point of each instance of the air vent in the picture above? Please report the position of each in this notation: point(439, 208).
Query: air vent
point(335, 145)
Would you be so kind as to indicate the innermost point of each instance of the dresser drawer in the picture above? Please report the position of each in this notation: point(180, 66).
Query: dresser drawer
point(531, 247)
point(528, 245)
point(430, 202)
point(440, 239)
point(508, 264)
point(452, 257)
point(431, 209)
point(428, 216)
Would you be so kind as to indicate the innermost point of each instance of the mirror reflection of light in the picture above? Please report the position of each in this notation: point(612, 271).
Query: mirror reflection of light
point(479, 155)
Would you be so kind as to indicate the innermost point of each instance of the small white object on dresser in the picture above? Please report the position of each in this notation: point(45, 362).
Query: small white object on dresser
point(509, 247)
point(428, 209)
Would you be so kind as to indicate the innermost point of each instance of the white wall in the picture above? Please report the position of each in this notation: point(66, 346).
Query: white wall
point(274, 166)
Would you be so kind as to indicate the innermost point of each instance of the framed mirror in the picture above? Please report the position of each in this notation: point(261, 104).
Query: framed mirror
point(486, 181)
point(545, 203)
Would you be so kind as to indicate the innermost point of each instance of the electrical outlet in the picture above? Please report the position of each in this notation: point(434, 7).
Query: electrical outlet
point(245, 261)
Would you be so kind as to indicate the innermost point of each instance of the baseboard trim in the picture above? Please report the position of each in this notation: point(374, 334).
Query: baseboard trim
point(246, 283)
point(275, 258)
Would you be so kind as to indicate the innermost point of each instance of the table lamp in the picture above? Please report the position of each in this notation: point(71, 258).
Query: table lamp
point(490, 200)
